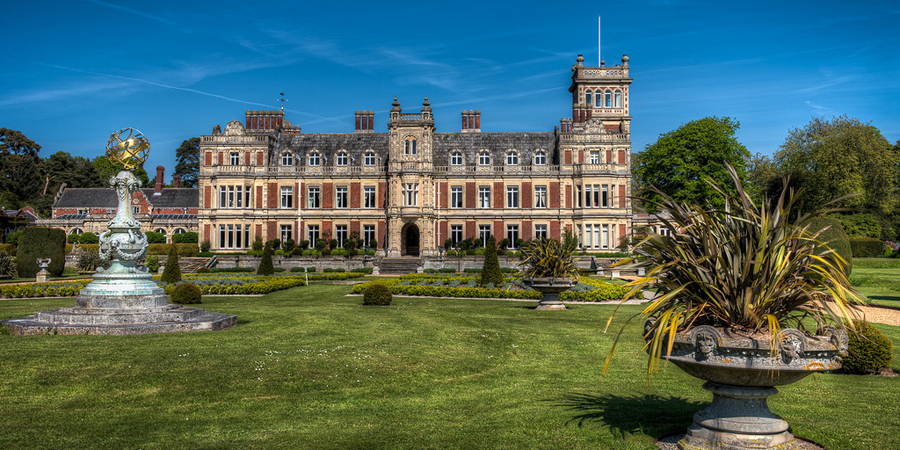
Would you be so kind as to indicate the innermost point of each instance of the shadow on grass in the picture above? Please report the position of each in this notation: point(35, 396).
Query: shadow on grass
point(889, 298)
point(647, 414)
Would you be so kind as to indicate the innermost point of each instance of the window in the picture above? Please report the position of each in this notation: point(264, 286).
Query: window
point(410, 194)
point(578, 196)
point(233, 236)
point(604, 242)
point(484, 196)
point(286, 233)
point(82, 211)
point(314, 159)
point(607, 98)
point(312, 233)
point(77, 231)
point(589, 97)
point(287, 159)
point(456, 196)
point(595, 157)
point(596, 190)
point(370, 158)
point(484, 233)
point(341, 159)
point(512, 159)
point(617, 99)
point(368, 235)
point(540, 196)
point(409, 147)
point(287, 196)
point(540, 159)
point(136, 210)
point(456, 233)
point(512, 233)
point(512, 196)
point(368, 196)
point(484, 158)
point(312, 197)
point(179, 231)
point(604, 197)
point(340, 233)
point(456, 159)
point(235, 158)
point(233, 196)
point(540, 231)
point(161, 231)
point(340, 197)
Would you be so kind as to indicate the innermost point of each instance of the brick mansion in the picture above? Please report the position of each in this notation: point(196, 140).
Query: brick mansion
point(411, 188)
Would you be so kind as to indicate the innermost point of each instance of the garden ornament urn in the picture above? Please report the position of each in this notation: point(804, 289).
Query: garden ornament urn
point(550, 288)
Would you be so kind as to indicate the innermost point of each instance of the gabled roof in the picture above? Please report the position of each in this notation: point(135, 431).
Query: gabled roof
point(106, 198)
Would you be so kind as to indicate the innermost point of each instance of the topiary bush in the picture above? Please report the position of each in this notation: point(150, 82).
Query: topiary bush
point(265, 263)
point(172, 272)
point(186, 294)
point(378, 295)
point(490, 272)
point(834, 237)
point(203, 270)
point(870, 350)
point(40, 242)
point(865, 247)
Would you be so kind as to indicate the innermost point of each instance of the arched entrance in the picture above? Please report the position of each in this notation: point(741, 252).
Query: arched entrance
point(410, 244)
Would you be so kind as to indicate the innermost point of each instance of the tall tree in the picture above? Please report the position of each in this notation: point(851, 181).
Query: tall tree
point(20, 168)
point(680, 160)
point(188, 166)
point(763, 177)
point(15, 143)
point(838, 157)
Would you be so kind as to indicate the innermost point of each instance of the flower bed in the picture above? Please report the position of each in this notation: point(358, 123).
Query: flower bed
point(30, 290)
point(429, 285)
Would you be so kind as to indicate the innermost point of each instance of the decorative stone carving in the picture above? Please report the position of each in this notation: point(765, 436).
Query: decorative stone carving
point(234, 128)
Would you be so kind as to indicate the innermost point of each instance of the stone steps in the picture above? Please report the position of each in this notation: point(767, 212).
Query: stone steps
point(399, 266)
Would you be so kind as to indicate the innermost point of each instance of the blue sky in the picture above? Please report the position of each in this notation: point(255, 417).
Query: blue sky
point(78, 70)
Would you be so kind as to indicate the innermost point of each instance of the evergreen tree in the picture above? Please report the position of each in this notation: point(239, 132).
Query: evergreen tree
point(265, 263)
point(188, 157)
point(172, 272)
point(490, 272)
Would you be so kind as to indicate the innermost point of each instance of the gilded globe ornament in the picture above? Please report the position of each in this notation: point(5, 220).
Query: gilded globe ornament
point(127, 148)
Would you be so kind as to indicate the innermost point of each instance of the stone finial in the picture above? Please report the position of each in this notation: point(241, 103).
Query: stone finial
point(602, 62)
point(396, 104)
point(579, 61)
point(425, 103)
point(625, 60)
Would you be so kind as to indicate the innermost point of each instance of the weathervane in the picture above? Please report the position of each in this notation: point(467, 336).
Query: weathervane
point(282, 100)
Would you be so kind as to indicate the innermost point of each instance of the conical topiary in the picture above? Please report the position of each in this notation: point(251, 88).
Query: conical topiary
point(172, 272)
point(491, 273)
point(265, 263)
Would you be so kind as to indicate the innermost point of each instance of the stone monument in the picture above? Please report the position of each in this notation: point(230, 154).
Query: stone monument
point(43, 276)
point(122, 299)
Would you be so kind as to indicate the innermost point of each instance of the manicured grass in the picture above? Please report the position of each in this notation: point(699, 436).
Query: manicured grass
point(310, 368)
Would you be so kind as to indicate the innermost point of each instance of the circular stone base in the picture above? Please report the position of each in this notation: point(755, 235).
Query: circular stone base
point(551, 306)
point(82, 321)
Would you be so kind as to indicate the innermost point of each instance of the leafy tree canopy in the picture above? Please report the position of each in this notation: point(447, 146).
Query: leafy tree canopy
point(679, 161)
point(108, 170)
point(838, 157)
point(15, 143)
point(188, 166)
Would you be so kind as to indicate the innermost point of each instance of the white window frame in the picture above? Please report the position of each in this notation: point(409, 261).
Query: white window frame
point(456, 158)
point(484, 233)
point(456, 233)
point(235, 158)
point(456, 197)
point(341, 199)
point(484, 196)
point(313, 197)
point(512, 158)
point(540, 158)
point(512, 233)
point(368, 235)
point(287, 159)
point(287, 197)
point(312, 234)
point(314, 159)
point(512, 196)
point(484, 158)
point(342, 159)
point(410, 194)
point(369, 197)
point(370, 158)
point(540, 196)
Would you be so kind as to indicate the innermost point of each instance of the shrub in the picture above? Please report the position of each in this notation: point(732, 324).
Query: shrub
point(186, 294)
point(366, 270)
point(205, 247)
point(73, 239)
point(172, 272)
point(13, 238)
point(288, 247)
point(265, 264)
point(155, 238)
point(378, 295)
point(152, 263)
point(89, 261)
point(860, 225)
point(7, 266)
point(490, 272)
point(39, 242)
point(190, 237)
point(870, 350)
point(865, 247)
point(8, 248)
point(834, 237)
point(203, 270)
point(89, 238)
point(279, 252)
point(257, 244)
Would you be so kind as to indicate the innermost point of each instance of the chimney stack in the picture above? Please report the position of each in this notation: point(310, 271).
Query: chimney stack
point(176, 181)
point(160, 175)
point(365, 121)
point(471, 121)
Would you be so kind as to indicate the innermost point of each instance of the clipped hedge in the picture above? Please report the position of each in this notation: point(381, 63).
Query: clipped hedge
point(41, 242)
point(30, 290)
point(870, 350)
point(184, 250)
point(864, 247)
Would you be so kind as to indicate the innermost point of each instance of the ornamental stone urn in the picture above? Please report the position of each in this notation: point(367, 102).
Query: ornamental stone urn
point(741, 371)
point(550, 288)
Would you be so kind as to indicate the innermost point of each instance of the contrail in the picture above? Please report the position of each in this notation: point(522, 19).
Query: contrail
point(153, 83)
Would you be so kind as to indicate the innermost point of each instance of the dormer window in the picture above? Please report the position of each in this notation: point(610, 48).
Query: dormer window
point(512, 158)
point(370, 158)
point(410, 147)
point(456, 159)
point(540, 158)
point(341, 159)
point(314, 159)
point(287, 159)
point(484, 158)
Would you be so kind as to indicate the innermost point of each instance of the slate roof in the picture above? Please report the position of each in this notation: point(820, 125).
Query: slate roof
point(106, 198)
point(470, 144)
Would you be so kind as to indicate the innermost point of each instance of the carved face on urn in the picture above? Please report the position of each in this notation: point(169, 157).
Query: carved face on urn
point(706, 342)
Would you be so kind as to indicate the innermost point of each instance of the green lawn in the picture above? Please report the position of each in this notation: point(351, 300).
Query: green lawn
point(878, 279)
point(310, 368)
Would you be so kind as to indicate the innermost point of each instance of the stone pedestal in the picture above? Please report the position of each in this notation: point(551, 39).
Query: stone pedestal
point(42, 277)
point(550, 293)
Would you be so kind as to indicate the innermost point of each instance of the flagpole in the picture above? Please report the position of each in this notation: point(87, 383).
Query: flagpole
point(599, 55)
